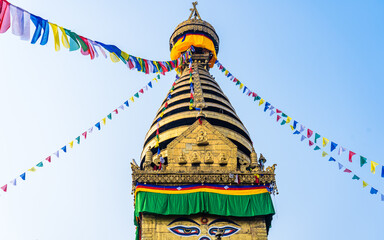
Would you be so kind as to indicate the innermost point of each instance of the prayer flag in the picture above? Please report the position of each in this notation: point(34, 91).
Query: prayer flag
point(373, 191)
point(341, 150)
point(289, 119)
point(14, 182)
point(355, 177)
point(55, 36)
point(316, 148)
point(261, 101)
point(333, 146)
point(109, 116)
point(5, 17)
point(64, 38)
point(57, 153)
point(104, 120)
point(278, 111)
point(296, 132)
point(98, 125)
point(325, 141)
point(340, 166)
point(317, 136)
point(84, 134)
point(4, 188)
point(310, 143)
point(294, 124)
point(302, 137)
point(267, 104)
point(309, 133)
point(347, 170)
point(331, 159)
point(324, 154)
point(40, 164)
point(132, 99)
point(71, 144)
point(382, 171)
point(32, 169)
point(351, 155)
point(22, 176)
point(48, 158)
point(302, 128)
point(90, 130)
point(17, 20)
point(278, 118)
point(373, 166)
point(365, 184)
point(41, 24)
point(126, 103)
point(363, 161)
point(283, 122)
point(64, 149)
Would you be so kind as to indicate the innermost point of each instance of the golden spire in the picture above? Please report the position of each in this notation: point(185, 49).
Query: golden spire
point(194, 10)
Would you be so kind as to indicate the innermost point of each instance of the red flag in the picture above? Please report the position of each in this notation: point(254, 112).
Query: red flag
point(254, 94)
point(166, 104)
point(48, 159)
point(347, 170)
point(310, 143)
point(278, 118)
point(201, 122)
point(235, 80)
point(221, 67)
point(130, 64)
point(309, 133)
point(278, 111)
point(351, 155)
point(157, 131)
point(191, 95)
point(116, 111)
point(141, 90)
point(146, 66)
point(85, 134)
point(4, 188)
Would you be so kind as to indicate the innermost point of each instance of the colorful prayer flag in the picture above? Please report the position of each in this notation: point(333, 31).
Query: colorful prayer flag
point(351, 155)
point(373, 166)
point(325, 141)
point(363, 161)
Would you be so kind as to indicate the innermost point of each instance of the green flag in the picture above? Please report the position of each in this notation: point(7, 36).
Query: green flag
point(109, 116)
point(363, 161)
point(316, 148)
point(355, 177)
point(317, 136)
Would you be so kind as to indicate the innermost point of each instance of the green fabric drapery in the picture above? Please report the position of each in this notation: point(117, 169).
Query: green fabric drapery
point(205, 202)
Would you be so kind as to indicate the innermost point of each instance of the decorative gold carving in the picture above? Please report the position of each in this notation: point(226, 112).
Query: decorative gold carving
point(182, 159)
point(208, 158)
point(195, 158)
point(243, 164)
point(223, 160)
point(198, 96)
point(254, 163)
point(202, 138)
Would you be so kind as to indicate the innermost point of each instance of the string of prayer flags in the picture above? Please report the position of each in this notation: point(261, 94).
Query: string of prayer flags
point(44, 30)
point(85, 134)
point(311, 135)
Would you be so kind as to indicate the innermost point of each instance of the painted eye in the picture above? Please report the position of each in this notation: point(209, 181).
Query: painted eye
point(185, 231)
point(227, 230)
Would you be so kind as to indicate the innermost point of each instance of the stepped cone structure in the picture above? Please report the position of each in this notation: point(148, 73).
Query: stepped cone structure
point(199, 176)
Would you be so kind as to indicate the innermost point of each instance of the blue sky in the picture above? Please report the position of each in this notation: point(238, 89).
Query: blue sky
point(321, 62)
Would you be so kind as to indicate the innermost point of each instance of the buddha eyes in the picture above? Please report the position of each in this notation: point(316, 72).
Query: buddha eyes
point(227, 230)
point(185, 231)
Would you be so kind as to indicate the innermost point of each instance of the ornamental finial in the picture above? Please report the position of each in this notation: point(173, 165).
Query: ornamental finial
point(194, 10)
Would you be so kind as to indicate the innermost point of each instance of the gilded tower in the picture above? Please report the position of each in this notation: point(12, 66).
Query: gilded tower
point(199, 176)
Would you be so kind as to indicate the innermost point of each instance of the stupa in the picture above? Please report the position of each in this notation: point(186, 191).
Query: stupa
point(199, 176)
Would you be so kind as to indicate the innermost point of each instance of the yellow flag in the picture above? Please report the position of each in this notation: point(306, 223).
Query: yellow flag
point(241, 85)
point(325, 141)
point(133, 100)
point(261, 101)
point(114, 57)
point(55, 36)
point(155, 79)
point(104, 120)
point(157, 144)
point(365, 184)
point(64, 38)
point(373, 166)
point(324, 154)
point(161, 114)
point(226, 72)
point(32, 169)
point(289, 119)
point(125, 55)
point(292, 127)
point(71, 144)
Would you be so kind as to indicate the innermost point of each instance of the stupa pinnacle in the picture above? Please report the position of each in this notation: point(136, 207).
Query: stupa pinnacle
point(199, 175)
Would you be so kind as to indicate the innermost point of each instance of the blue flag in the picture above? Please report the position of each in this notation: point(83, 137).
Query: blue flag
point(340, 166)
point(22, 176)
point(373, 191)
point(294, 124)
point(64, 148)
point(333, 146)
point(41, 24)
point(97, 125)
point(331, 159)
point(296, 132)
point(267, 104)
point(126, 104)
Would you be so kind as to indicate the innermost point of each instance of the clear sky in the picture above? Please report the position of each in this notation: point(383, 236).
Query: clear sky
point(321, 62)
